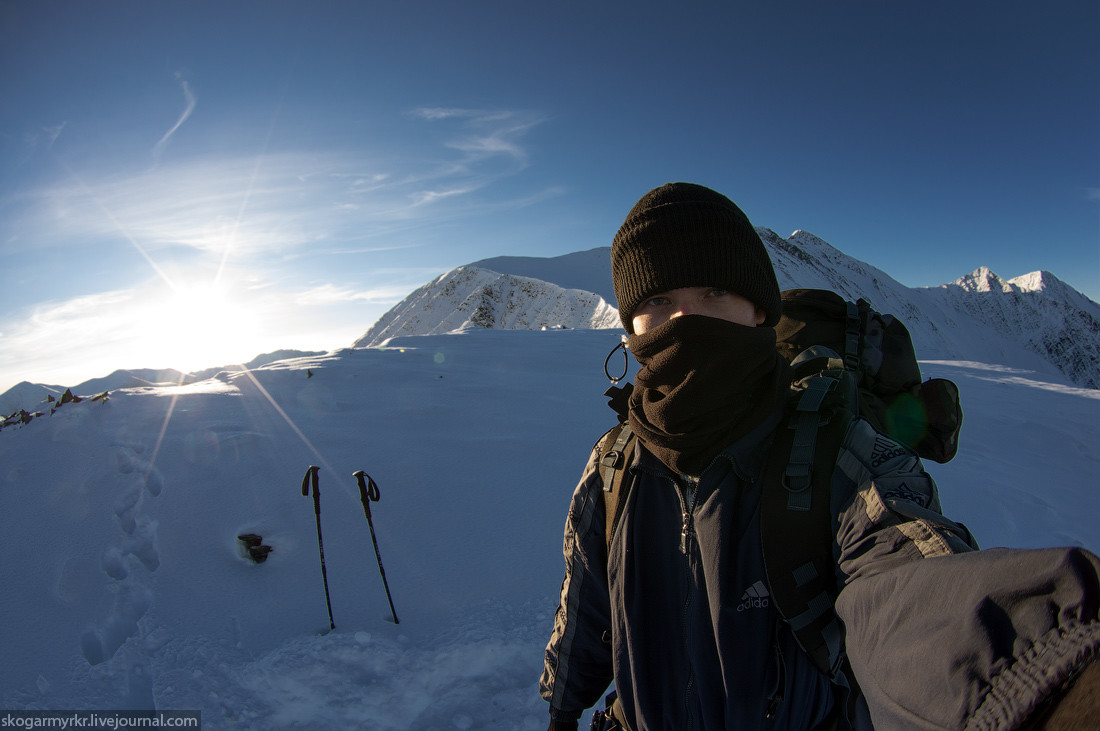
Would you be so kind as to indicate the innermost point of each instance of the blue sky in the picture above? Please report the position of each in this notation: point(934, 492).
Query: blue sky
point(188, 184)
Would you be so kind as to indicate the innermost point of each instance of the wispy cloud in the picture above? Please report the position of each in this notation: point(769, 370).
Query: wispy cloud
point(329, 294)
point(189, 107)
point(52, 133)
point(35, 140)
point(484, 134)
point(437, 113)
point(426, 197)
point(198, 205)
point(286, 200)
point(56, 338)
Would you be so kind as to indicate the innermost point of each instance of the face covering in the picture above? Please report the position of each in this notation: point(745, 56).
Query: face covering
point(704, 383)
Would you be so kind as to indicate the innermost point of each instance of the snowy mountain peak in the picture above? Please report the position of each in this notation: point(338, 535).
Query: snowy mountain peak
point(470, 296)
point(1044, 284)
point(983, 280)
point(807, 240)
point(1037, 310)
point(1037, 281)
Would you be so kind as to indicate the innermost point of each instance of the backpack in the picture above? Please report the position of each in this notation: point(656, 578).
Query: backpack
point(876, 348)
point(847, 360)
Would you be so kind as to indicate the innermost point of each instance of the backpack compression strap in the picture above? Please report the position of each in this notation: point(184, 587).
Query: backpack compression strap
point(614, 465)
point(855, 321)
point(798, 475)
point(796, 519)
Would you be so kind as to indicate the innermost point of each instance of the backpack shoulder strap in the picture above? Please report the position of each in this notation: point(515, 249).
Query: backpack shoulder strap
point(797, 534)
point(615, 452)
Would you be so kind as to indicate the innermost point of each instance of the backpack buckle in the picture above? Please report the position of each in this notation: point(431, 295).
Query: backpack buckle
point(614, 458)
point(611, 460)
point(797, 481)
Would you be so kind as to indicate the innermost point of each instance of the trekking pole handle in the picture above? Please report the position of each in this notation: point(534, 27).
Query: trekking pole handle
point(368, 489)
point(309, 480)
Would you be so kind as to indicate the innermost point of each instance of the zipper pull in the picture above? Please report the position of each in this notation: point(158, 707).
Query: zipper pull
point(687, 528)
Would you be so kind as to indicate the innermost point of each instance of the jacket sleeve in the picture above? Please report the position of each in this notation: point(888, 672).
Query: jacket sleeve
point(941, 635)
point(578, 666)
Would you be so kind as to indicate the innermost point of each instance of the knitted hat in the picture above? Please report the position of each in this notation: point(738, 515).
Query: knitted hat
point(685, 235)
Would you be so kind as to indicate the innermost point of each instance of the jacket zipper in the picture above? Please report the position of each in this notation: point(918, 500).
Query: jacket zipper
point(776, 698)
point(687, 489)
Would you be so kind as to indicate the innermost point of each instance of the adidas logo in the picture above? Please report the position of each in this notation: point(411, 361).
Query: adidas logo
point(884, 451)
point(755, 597)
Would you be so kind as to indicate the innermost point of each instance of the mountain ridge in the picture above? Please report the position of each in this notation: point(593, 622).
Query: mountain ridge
point(1038, 310)
point(1037, 321)
point(1033, 321)
point(25, 395)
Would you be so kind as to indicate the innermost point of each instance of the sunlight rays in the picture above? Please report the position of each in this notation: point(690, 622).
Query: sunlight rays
point(117, 224)
point(321, 459)
point(247, 197)
point(161, 433)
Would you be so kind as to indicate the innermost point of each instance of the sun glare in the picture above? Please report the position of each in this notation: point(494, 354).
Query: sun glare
point(199, 326)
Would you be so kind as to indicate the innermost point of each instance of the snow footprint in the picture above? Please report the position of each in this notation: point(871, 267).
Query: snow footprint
point(101, 644)
point(130, 463)
point(137, 478)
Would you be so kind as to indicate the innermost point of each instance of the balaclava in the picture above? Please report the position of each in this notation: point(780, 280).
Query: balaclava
point(685, 235)
point(704, 382)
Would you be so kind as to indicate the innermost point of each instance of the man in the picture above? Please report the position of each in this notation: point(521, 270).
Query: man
point(675, 609)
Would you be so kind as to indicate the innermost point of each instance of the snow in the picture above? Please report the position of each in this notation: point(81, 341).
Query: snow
point(126, 586)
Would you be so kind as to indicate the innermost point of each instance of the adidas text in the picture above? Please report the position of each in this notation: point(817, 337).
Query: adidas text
point(755, 597)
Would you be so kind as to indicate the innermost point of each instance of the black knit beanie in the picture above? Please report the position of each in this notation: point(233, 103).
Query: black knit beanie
point(685, 235)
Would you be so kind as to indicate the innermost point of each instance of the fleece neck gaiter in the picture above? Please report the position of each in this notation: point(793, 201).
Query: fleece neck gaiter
point(703, 384)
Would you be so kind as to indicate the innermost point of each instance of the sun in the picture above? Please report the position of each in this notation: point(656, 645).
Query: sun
point(199, 325)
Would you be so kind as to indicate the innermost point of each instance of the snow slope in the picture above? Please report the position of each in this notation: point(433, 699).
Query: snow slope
point(125, 585)
point(1048, 316)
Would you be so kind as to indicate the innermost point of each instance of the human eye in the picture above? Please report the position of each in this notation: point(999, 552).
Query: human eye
point(717, 292)
point(657, 301)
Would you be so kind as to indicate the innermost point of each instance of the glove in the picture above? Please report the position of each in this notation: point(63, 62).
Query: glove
point(1078, 708)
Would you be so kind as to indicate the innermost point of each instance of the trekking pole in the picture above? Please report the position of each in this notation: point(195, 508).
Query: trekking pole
point(367, 493)
point(307, 481)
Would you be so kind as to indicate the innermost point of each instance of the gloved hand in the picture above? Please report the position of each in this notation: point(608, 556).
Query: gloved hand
point(1078, 708)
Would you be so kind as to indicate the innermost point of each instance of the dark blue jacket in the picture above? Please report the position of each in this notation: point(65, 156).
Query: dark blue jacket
point(679, 615)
